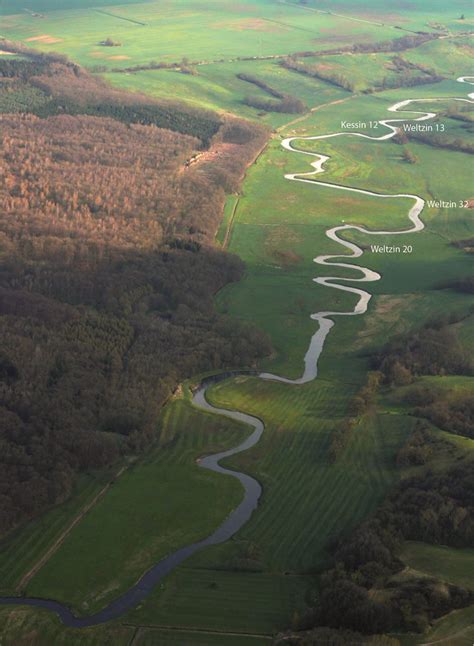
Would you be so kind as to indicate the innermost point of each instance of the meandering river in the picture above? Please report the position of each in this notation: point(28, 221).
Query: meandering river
point(252, 489)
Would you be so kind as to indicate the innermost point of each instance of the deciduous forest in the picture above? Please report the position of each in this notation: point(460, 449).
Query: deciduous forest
point(107, 275)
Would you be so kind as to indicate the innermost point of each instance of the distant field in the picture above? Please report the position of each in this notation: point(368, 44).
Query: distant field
point(413, 15)
point(173, 29)
point(452, 565)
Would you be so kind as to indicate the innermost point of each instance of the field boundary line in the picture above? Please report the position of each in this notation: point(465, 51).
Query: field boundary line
point(315, 109)
point(345, 16)
point(444, 639)
point(230, 224)
point(114, 15)
point(206, 631)
point(26, 578)
point(225, 242)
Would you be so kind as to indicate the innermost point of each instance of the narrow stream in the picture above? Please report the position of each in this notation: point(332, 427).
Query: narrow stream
point(252, 489)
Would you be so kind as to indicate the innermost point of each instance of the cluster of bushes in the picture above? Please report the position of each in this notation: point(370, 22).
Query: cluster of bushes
point(358, 406)
point(287, 103)
point(144, 67)
point(442, 141)
point(404, 78)
point(467, 244)
point(453, 414)
point(419, 447)
point(395, 45)
point(21, 69)
point(432, 350)
point(360, 593)
point(319, 72)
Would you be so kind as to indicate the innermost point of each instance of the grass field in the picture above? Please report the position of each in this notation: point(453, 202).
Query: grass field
point(452, 565)
point(415, 15)
point(225, 601)
point(164, 637)
point(134, 525)
point(308, 501)
point(171, 30)
point(455, 629)
point(20, 551)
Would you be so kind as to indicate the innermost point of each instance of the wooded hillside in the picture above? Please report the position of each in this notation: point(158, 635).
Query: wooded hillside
point(106, 289)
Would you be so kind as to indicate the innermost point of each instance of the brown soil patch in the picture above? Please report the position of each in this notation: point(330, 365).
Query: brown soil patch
point(241, 8)
point(4, 53)
point(335, 36)
point(386, 314)
point(249, 24)
point(387, 18)
point(97, 54)
point(467, 49)
point(214, 153)
point(119, 58)
point(325, 66)
point(278, 243)
point(45, 39)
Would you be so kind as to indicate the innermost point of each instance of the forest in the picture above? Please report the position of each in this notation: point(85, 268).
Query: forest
point(107, 278)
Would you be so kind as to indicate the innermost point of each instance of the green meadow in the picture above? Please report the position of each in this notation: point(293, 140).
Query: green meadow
point(414, 15)
point(170, 30)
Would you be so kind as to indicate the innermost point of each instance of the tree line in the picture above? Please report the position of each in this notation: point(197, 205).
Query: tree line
point(286, 103)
